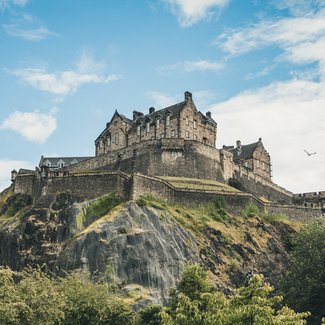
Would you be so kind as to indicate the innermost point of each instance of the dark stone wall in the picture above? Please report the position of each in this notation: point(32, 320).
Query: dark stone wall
point(25, 184)
point(89, 186)
point(164, 157)
point(267, 190)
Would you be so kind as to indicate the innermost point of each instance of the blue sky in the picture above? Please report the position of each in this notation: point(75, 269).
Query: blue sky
point(257, 65)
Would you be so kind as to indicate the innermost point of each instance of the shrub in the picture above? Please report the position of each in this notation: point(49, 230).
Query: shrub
point(250, 210)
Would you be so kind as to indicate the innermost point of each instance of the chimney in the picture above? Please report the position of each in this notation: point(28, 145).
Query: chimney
point(208, 114)
point(259, 139)
point(151, 110)
point(238, 144)
point(188, 96)
point(136, 114)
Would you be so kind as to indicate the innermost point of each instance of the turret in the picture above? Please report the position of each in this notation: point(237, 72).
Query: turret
point(13, 175)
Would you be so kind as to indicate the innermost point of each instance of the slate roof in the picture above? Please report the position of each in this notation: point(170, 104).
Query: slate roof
point(246, 151)
point(173, 110)
point(55, 160)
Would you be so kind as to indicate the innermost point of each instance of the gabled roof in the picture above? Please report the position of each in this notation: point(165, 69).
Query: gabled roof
point(173, 111)
point(246, 151)
point(55, 160)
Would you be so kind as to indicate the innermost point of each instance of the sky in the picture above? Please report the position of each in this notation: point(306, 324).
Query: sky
point(257, 65)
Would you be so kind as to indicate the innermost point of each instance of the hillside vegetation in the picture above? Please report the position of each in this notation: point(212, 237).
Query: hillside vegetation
point(137, 251)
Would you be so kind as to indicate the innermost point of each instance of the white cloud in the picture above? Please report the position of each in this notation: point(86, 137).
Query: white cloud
point(36, 34)
point(66, 82)
point(6, 166)
point(7, 3)
point(161, 100)
point(60, 83)
point(190, 66)
point(34, 126)
point(290, 117)
point(190, 12)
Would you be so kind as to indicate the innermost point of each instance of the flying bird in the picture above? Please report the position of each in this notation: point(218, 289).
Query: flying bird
point(309, 154)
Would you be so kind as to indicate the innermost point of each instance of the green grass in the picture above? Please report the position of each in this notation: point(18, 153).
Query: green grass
point(275, 217)
point(100, 207)
point(250, 210)
point(198, 184)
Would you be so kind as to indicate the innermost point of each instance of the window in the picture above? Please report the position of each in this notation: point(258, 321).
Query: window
point(187, 135)
point(148, 126)
point(138, 130)
point(186, 120)
point(195, 137)
point(161, 135)
point(109, 141)
point(101, 144)
point(194, 124)
point(116, 138)
point(115, 123)
point(157, 124)
point(173, 133)
point(168, 120)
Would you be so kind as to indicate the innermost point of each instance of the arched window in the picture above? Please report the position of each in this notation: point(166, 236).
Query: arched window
point(157, 124)
point(148, 127)
point(138, 130)
point(168, 120)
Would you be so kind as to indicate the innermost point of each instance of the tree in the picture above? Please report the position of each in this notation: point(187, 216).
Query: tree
point(304, 283)
point(195, 301)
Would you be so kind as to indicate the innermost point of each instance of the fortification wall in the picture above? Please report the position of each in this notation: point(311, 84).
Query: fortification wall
point(246, 180)
point(298, 213)
point(143, 184)
point(164, 157)
point(25, 184)
point(89, 185)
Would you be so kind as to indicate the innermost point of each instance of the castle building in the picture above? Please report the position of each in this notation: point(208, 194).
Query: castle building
point(60, 162)
point(179, 121)
point(252, 156)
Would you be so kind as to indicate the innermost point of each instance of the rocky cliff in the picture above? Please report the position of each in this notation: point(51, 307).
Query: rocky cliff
point(146, 242)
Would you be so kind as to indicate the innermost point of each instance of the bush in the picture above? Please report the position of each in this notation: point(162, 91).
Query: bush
point(250, 210)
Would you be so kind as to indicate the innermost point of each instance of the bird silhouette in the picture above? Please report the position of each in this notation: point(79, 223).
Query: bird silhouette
point(309, 154)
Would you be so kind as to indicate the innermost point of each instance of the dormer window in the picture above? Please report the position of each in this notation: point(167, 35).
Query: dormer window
point(61, 163)
point(148, 127)
point(47, 163)
point(138, 129)
point(168, 120)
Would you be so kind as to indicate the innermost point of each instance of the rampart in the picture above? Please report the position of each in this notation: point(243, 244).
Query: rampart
point(165, 157)
point(245, 180)
point(91, 184)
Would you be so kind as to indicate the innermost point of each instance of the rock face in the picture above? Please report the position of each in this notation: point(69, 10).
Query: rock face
point(139, 244)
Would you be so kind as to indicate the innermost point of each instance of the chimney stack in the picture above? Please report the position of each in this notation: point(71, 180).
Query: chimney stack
point(136, 114)
point(188, 96)
point(151, 110)
point(208, 114)
point(238, 144)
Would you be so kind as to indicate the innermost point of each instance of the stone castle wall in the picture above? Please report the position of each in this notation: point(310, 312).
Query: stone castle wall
point(245, 180)
point(164, 157)
point(91, 184)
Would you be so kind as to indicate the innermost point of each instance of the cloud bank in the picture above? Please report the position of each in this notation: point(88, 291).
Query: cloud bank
point(189, 12)
point(33, 126)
